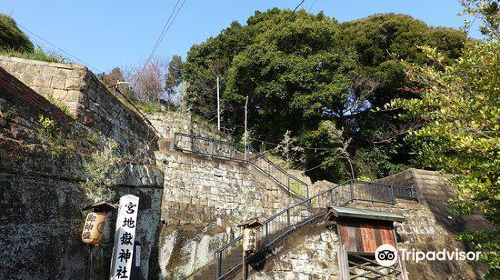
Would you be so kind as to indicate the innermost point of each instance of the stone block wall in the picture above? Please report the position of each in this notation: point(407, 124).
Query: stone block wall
point(168, 123)
point(311, 254)
point(204, 198)
point(41, 198)
point(203, 201)
point(429, 225)
point(89, 102)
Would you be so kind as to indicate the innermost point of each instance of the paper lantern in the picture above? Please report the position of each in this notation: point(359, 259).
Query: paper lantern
point(93, 228)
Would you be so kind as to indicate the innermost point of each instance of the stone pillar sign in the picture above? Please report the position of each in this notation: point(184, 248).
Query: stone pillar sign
point(123, 249)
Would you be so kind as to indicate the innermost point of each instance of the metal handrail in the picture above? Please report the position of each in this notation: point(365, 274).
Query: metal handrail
point(398, 191)
point(238, 152)
point(301, 189)
point(276, 165)
point(322, 200)
point(270, 237)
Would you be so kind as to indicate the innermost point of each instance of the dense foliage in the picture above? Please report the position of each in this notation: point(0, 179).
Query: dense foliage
point(460, 106)
point(307, 74)
point(459, 103)
point(11, 37)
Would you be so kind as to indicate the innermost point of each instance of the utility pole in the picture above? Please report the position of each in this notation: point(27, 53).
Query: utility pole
point(245, 135)
point(218, 105)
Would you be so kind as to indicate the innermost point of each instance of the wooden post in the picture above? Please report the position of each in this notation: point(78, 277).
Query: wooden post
point(88, 273)
point(244, 268)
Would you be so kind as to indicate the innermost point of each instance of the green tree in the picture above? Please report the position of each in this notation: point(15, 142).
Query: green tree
point(459, 102)
point(300, 69)
point(488, 11)
point(11, 37)
point(174, 75)
point(381, 41)
point(208, 60)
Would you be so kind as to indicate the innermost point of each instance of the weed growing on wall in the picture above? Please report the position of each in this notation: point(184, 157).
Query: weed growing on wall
point(58, 104)
point(101, 173)
point(48, 134)
point(8, 113)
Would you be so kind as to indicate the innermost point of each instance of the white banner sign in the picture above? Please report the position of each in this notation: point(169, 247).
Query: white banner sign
point(123, 250)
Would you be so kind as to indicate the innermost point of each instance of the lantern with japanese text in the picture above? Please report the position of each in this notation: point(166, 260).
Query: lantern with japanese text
point(93, 228)
point(95, 222)
point(250, 242)
point(250, 235)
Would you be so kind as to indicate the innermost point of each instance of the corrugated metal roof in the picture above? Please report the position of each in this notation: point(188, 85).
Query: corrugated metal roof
point(365, 214)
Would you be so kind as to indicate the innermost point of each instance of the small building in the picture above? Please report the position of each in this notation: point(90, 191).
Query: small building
point(361, 232)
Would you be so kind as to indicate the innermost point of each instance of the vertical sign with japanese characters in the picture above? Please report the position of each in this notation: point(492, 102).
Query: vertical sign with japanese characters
point(126, 223)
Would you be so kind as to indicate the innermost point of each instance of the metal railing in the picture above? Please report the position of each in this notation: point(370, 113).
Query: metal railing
point(377, 192)
point(275, 228)
point(279, 174)
point(238, 152)
point(290, 219)
point(210, 147)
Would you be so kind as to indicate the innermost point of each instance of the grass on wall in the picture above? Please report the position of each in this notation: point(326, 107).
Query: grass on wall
point(36, 54)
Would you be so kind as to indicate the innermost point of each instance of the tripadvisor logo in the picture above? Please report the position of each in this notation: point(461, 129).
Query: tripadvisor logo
point(387, 255)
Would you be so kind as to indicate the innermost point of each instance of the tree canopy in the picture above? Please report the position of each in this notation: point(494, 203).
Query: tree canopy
point(301, 70)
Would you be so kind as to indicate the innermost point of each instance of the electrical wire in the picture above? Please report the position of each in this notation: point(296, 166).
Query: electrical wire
point(294, 10)
point(300, 4)
point(318, 166)
point(312, 5)
point(305, 148)
point(165, 29)
point(59, 49)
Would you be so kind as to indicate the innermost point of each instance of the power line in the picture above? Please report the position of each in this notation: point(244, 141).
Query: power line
point(165, 29)
point(305, 148)
point(60, 49)
point(320, 165)
point(312, 5)
point(294, 10)
point(300, 4)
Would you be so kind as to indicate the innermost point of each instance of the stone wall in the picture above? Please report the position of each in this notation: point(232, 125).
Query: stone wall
point(203, 201)
point(41, 174)
point(429, 225)
point(168, 123)
point(87, 100)
point(311, 254)
point(204, 198)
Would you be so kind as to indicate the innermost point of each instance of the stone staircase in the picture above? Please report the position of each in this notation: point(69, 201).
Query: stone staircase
point(228, 258)
point(232, 260)
point(215, 148)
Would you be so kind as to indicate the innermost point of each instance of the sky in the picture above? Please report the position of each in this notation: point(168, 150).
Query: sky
point(110, 33)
